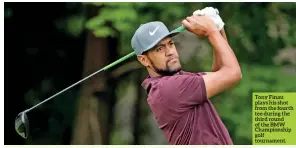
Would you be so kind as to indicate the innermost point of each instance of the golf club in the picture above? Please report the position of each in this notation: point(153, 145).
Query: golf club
point(22, 122)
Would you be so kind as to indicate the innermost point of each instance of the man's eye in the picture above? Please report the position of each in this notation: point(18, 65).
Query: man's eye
point(159, 49)
point(172, 43)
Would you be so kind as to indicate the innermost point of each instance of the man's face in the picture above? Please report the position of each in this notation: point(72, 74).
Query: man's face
point(163, 58)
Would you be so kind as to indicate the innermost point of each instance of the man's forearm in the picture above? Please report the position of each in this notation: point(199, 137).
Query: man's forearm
point(223, 51)
point(216, 57)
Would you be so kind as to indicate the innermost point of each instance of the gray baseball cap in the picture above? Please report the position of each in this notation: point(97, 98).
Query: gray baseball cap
point(148, 35)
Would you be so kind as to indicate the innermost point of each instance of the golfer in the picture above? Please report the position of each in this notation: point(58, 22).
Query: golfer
point(179, 100)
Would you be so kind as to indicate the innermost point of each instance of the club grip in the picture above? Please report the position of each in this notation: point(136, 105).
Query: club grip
point(119, 61)
point(180, 29)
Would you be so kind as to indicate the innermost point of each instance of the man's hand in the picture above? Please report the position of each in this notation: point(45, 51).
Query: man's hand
point(213, 14)
point(200, 25)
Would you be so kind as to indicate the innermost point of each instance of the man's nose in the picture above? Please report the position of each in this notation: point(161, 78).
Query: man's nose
point(169, 51)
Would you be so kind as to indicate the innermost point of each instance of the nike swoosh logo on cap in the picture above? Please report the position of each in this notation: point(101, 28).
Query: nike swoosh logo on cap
point(153, 32)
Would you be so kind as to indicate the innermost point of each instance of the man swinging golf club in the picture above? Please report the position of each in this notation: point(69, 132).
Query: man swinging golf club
point(179, 100)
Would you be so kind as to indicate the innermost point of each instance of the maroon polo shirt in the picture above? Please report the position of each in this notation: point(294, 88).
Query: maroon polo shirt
point(183, 112)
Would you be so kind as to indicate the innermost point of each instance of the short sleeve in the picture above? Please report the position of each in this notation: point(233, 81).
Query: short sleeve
point(182, 92)
point(201, 73)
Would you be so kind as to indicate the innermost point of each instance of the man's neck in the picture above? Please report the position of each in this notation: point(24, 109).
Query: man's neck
point(153, 73)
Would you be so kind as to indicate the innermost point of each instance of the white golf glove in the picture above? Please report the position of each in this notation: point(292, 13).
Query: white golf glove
point(213, 14)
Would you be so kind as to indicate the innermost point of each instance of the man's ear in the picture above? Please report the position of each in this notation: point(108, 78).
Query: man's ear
point(143, 59)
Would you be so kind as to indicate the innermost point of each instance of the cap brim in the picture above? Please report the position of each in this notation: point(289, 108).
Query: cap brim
point(173, 33)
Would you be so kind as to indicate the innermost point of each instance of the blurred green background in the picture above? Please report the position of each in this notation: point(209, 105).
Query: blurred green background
point(49, 46)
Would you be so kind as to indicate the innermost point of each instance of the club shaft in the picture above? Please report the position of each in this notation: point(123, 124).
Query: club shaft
point(64, 90)
point(103, 69)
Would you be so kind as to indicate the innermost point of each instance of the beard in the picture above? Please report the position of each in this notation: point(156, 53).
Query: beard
point(167, 71)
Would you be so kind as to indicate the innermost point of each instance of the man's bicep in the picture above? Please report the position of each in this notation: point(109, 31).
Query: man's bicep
point(215, 83)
